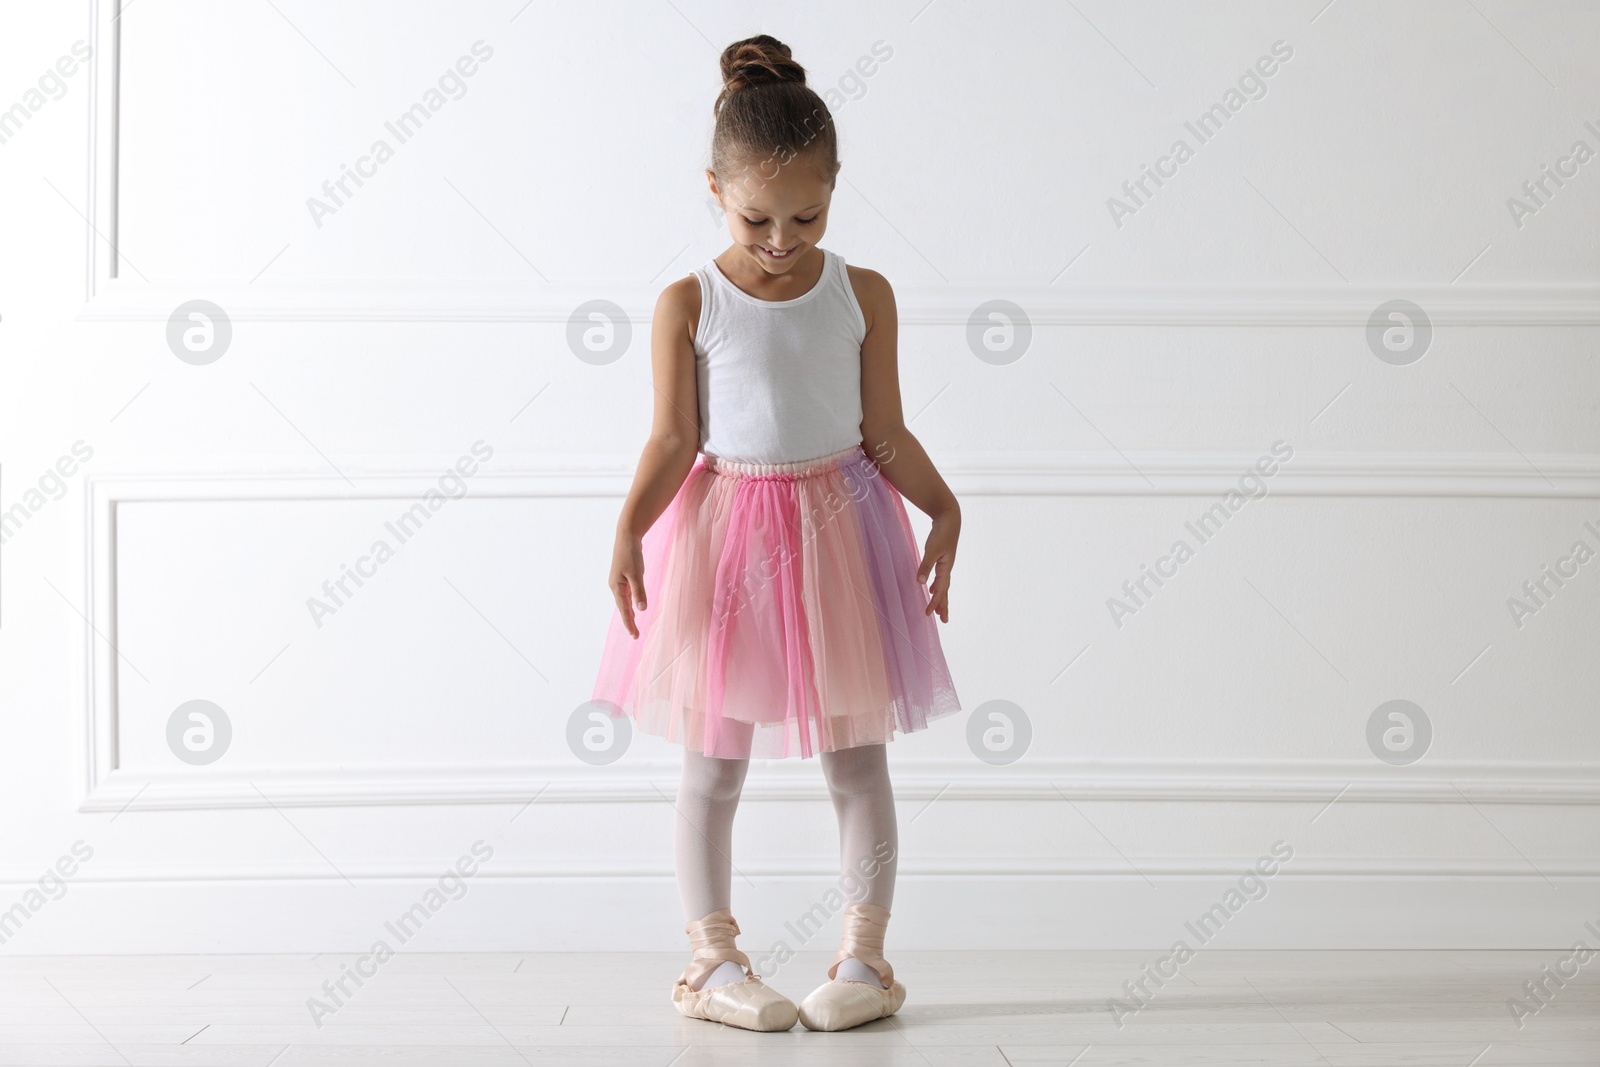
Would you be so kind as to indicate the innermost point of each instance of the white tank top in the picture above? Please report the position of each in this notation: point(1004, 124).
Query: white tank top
point(779, 380)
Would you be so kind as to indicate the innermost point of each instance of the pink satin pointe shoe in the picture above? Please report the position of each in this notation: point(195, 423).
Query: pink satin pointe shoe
point(748, 1004)
point(839, 1005)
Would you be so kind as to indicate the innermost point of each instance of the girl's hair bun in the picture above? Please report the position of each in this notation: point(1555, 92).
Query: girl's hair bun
point(767, 116)
point(760, 60)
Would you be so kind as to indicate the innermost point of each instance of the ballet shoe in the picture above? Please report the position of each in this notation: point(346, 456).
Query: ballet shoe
point(842, 1004)
point(839, 1004)
point(749, 1004)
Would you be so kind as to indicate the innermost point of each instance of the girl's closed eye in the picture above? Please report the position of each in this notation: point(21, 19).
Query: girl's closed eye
point(763, 222)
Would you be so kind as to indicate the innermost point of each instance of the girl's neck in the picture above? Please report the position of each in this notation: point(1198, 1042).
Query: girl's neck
point(737, 266)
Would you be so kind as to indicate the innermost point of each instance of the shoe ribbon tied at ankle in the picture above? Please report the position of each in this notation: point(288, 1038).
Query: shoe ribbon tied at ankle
point(864, 926)
point(712, 941)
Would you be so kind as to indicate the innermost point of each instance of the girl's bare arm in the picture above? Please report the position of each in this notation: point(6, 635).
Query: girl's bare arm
point(897, 452)
point(674, 440)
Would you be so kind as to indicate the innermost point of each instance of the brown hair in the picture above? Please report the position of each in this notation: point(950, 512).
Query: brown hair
point(766, 114)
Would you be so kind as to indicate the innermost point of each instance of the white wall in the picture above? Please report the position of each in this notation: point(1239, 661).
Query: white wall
point(373, 346)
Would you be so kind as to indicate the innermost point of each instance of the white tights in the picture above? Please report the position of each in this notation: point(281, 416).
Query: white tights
point(863, 801)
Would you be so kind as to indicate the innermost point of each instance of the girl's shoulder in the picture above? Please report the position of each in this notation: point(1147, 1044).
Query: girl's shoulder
point(872, 291)
point(678, 306)
point(865, 277)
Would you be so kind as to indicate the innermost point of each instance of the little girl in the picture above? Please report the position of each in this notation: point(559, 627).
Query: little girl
point(769, 597)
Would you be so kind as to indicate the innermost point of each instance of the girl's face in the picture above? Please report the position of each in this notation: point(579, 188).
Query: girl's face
point(775, 213)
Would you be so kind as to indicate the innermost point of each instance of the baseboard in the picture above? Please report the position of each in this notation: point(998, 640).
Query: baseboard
point(524, 914)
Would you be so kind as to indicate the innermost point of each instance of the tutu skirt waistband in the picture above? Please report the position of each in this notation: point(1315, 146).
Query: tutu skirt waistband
point(805, 468)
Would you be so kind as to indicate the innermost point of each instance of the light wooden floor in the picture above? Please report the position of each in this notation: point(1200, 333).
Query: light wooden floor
point(1007, 1009)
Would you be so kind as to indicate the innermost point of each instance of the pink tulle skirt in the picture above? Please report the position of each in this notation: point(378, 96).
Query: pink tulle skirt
point(783, 615)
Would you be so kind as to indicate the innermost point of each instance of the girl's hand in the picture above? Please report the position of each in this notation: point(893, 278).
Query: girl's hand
point(627, 578)
point(939, 555)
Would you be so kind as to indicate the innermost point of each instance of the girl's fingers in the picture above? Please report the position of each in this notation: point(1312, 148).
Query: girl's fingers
point(938, 595)
point(636, 589)
point(627, 617)
point(619, 593)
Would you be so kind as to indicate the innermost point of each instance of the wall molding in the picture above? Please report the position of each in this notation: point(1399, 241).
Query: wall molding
point(106, 787)
point(1318, 783)
point(988, 473)
point(112, 295)
point(919, 303)
point(105, 124)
